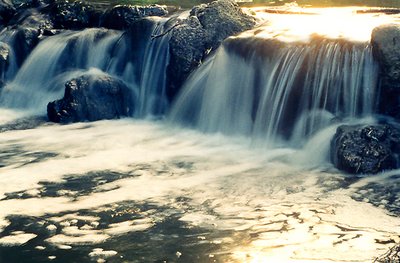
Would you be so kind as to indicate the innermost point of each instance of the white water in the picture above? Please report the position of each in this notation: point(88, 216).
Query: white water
point(294, 92)
point(227, 190)
point(272, 208)
point(62, 57)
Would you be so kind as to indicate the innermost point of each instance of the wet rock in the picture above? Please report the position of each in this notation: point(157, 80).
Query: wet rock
point(386, 46)
point(4, 61)
point(366, 149)
point(7, 11)
point(204, 30)
point(123, 16)
point(72, 15)
point(91, 97)
point(26, 39)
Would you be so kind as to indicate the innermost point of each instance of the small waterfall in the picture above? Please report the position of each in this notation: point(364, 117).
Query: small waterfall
point(277, 92)
point(134, 57)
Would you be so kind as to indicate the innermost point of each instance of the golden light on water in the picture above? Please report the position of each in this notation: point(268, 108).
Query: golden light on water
point(295, 23)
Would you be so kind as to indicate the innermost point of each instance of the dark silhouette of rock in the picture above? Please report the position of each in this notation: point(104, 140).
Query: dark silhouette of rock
point(123, 16)
point(4, 61)
point(7, 11)
point(366, 149)
point(204, 30)
point(91, 98)
point(386, 46)
point(72, 14)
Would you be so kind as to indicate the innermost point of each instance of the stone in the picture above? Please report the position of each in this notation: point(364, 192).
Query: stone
point(92, 97)
point(193, 38)
point(386, 47)
point(366, 149)
point(123, 16)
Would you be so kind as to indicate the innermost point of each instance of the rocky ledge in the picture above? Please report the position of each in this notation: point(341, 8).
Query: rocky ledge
point(92, 97)
point(366, 149)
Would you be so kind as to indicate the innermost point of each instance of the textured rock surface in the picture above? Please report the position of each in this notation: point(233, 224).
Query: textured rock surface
point(204, 30)
point(386, 46)
point(123, 16)
point(91, 98)
point(366, 149)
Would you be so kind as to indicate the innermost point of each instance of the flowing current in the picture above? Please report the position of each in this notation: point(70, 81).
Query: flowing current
point(236, 170)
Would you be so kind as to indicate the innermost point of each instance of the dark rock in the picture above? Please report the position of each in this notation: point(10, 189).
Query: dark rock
point(366, 149)
point(91, 98)
point(386, 46)
point(72, 15)
point(123, 16)
point(7, 10)
point(4, 61)
point(204, 30)
point(26, 39)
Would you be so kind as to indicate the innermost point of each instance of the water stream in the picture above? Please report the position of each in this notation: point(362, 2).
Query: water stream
point(236, 170)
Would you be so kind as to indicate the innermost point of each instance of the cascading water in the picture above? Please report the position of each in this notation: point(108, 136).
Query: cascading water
point(146, 191)
point(290, 91)
point(62, 57)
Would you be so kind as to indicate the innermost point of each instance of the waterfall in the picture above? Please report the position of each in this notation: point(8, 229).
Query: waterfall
point(277, 92)
point(138, 59)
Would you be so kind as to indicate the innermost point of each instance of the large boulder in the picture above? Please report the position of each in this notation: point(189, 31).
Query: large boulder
point(123, 16)
point(7, 11)
point(74, 15)
point(366, 149)
point(92, 97)
point(204, 30)
point(386, 47)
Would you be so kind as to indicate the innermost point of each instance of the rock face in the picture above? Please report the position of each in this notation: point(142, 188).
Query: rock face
point(4, 61)
point(72, 15)
point(366, 149)
point(123, 16)
point(7, 11)
point(91, 98)
point(386, 46)
point(204, 30)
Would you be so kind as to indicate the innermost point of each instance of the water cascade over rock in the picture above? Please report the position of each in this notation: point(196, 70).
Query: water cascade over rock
point(276, 91)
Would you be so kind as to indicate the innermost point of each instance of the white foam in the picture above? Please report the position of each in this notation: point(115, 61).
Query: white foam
point(16, 239)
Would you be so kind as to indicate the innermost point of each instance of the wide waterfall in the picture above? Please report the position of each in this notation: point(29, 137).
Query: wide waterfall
point(140, 61)
point(287, 93)
point(231, 166)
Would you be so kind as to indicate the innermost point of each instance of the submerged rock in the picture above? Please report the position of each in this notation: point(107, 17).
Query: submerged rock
point(366, 149)
point(123, 16)
point(386, 46)
point(204, 30)
point(91, 98)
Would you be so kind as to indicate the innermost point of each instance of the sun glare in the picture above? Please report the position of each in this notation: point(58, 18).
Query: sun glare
point(293, 23)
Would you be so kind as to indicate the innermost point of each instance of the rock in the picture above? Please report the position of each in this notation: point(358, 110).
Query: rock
point(26, 39)
point(91, 97)
point(7, 10)
point(72, 15)
point(204, 30)
point(386, 47)
point(123, 16)
point(366, 149)
point(4, 61)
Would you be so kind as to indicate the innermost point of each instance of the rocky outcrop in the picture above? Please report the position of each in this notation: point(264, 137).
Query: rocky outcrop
point(91, 98)
point(123, 16)
point(204, 30)
point(7, 11)
point(72, 15)
point(366, 149)
point(4, 61)
point(386, 46)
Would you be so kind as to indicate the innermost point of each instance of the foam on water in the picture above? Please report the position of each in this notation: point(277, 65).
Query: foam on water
point(266, 203)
